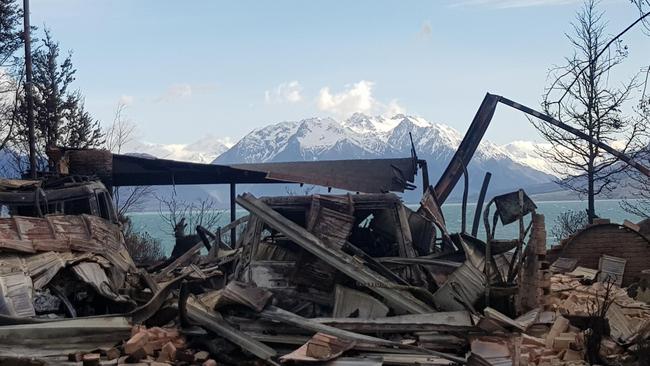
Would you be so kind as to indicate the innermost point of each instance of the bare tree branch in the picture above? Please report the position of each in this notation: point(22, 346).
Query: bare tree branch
point(588, 102)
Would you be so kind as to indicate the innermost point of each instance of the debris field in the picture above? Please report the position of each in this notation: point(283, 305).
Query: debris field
point(325, 279)
point(352, 279)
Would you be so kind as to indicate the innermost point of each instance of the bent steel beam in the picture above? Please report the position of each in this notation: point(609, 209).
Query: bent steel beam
point(548, 119)
point(467, 147)
point(477, 129)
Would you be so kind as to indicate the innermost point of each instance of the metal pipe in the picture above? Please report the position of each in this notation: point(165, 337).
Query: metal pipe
point(479, 203)
point(28, 90)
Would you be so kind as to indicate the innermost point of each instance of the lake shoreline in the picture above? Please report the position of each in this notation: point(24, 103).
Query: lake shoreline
point(152, 223)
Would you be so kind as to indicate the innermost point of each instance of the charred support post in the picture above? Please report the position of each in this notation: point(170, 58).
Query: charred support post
point(479, 203)
point(233, 214)
point(28, 90)
point(465, 193)
point(425, 175)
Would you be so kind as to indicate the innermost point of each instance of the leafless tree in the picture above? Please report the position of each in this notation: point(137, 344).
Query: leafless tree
point(129, 199)
point(10, 92)
point(204, 212)
point(569, 223)
point(143, 248)
point(118, 135)
point(644, 14)
point(639, 184)
point(10, 89)
point(302, 191)
point(644, 8)
point(581, 94)
point(121, 132)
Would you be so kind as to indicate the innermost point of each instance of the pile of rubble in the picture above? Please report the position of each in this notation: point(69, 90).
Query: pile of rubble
point(557, 333)
point(330, 279)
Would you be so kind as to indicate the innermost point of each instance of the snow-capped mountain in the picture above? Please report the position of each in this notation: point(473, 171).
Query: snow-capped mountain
point(204, 150)
point(365, 137)
point(527, 153)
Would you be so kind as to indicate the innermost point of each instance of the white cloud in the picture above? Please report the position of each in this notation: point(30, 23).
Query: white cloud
point(393, 108)
point(126, 100)
point(426, 31)
point(175, 92)
point(184, 91)
point(504, 4)
point(356, 97)
point(289, 92)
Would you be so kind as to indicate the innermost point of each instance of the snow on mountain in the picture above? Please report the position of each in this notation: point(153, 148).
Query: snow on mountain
point(527, 153)
point(363, 124)
point(365, 137)
point(358, 137)
point(204, 150)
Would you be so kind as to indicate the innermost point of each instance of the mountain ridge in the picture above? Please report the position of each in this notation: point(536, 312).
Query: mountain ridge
point(364, 137)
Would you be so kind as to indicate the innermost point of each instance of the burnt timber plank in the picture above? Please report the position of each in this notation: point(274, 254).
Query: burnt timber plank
point(443, 321)
point(213, 321)
point(274, 313)
point(399, 299)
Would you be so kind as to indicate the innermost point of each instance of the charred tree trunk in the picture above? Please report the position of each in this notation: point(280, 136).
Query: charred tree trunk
point(591, 204)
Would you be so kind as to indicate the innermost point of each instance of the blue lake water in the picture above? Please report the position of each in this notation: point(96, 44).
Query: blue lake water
point(152, 223)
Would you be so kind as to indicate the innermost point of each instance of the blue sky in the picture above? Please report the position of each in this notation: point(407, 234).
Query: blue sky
point(191, 68)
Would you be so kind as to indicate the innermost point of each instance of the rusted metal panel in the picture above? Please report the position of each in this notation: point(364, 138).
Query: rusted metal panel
point(16, 297)
point(509, 207)
point(359, 175)
point(370, 201)
point(430, 208)
point(255, 298)
point(348, 301)
point(63, 337)
point(332, 226)
point(463, 287)
point(59, 233)
point(362, 175)
point(94, 275)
